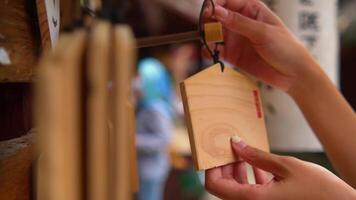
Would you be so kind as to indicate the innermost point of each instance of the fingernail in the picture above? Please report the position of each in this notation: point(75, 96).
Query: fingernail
point(238, 142)
point(221, 13)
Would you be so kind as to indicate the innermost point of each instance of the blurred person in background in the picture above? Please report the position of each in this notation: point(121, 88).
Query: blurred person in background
point(154, 125)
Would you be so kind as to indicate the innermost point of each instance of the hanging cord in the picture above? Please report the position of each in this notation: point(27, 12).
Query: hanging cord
point(215, 53)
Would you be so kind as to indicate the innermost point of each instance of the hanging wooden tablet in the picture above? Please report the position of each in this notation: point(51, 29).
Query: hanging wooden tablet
point(58, 118)
point(219, 105)
point(124, 63)
point(72, 143)
point(48, 105)
point(97, 110)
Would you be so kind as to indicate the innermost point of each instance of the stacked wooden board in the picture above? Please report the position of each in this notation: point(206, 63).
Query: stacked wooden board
point(86, 146)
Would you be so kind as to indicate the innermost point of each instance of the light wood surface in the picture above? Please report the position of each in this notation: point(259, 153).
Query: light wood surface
point(97, 110)
point(49, 121)
point(58, 119)
point(47, 111)
point(124, 59)
point(219, 105)
point(72, 144)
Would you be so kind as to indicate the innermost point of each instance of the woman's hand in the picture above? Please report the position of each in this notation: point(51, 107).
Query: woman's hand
point(293, 178)
point(258, 42)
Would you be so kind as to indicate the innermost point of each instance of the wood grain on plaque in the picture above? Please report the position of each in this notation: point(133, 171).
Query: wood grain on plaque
point(97, 109)
point(124, 63)
point(19, 40)
point(219, 105)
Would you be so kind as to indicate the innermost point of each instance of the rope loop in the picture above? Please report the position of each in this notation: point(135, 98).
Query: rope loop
point(215, 54)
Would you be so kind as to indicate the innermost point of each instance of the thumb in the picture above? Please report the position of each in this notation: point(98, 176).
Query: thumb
point(252, 29)
point(259, 159)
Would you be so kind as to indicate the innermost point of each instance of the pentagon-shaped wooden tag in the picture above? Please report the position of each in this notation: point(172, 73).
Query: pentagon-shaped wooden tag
point(219, 105)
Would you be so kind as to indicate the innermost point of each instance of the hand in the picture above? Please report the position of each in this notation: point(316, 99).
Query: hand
point(258, 42)
point(293, 178)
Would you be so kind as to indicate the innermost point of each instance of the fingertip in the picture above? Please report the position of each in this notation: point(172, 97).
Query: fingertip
point(237, 143)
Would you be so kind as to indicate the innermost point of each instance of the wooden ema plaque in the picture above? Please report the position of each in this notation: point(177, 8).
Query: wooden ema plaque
point(219, 105)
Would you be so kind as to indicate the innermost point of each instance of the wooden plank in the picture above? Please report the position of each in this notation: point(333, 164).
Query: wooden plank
point(58, 118)
point(19, 43)
point(124, 59)
point(219, 105)
point(49, 122)
point(97, 109)
point(72, 65)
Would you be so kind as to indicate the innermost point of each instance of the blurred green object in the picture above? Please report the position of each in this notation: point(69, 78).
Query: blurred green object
point(190, 184)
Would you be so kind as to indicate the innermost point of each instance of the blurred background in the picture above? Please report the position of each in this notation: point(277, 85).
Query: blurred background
point(327, 28)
